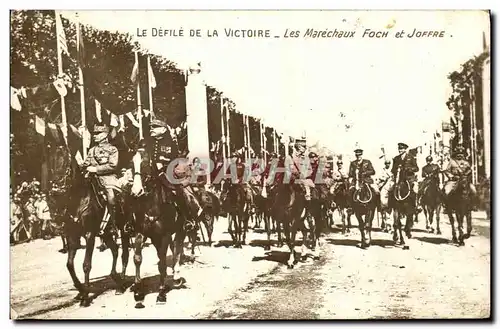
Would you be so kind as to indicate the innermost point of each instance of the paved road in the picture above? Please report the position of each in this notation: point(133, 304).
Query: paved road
point(433, 279)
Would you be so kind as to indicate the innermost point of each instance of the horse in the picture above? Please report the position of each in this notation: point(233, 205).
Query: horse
point(340, 197)
point(211, 207)
point(363, 203)
point(458, 205)
point(155, 216)
point(236, 205)
point(90, 212)
point(60, 164)
point(288, 209)
point(402, 201)
point(431, 202)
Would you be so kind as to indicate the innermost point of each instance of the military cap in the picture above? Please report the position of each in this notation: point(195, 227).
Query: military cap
point(101, 128)
point(428, 158)
point(339, 162)
point(312, 155)
point(158, 123)
point(402, 146)
point(358, 151)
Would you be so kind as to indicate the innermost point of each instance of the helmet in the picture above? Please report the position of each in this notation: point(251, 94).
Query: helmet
point(428, 158)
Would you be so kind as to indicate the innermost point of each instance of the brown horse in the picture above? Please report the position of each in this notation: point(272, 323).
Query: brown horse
point(236, 205)
point(431, 203)
point(364, 202)
point(155, 216)
point(402, 201)
point(91, 210)
point(458, 206)
point(288, 209)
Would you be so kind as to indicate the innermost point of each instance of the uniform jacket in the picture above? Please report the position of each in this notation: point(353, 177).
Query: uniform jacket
point(458, 168)
point(365, 170)
point(408, 167)
point(429, 169)
point(104, 157)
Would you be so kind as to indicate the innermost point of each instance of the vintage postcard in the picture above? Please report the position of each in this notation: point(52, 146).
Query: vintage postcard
point(250, 164)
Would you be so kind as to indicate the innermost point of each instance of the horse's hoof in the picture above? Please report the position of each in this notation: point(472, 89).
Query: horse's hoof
point(161, 298)
point(85, 302)
point(406, 248)
point(454, 240)
point(438, 232)
point(139, 305)
point(461, 243)
point(466, 235)
point(178, 283)
point(78, 297)
point(139, 297)
point(290, 266)
point(119, 291)
point(63, 251)
point(267, 248)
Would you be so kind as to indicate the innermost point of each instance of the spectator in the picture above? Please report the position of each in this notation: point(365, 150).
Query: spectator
point(16, 219)
point(43, 213)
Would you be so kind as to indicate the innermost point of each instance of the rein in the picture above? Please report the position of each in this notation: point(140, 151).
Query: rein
point(397, 194)
point(358, 190)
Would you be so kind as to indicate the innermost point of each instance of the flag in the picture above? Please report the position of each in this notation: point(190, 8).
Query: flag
point(151, 75)
point(60, 87)
point(14, 99)
point(61, 36)
point(39, 125)
point(135, 70)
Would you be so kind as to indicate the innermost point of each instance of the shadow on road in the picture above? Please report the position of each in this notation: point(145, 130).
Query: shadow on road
point(355, 243)
point(276, 256)
point(433, 240)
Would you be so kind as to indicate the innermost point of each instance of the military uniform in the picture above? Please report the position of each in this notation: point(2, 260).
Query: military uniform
point(365, 170)
point(104, 158)
point(297, 170)
point(456, 169)
point(407, 166)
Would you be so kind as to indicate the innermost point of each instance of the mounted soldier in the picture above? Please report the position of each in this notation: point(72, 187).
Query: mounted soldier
point(459, 168)
point(164, 150)
point(407, 166)
point(430, 174)
point(365, 171)
point(299, 161)
point(102, 160)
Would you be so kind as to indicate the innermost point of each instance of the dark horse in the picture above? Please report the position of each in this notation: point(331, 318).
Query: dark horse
point(90, 208)
point(288, 210)
point(458, 205)
point(238, 209)
point(431, 202)
point(340, 196)
point(364, 203)
point(155, 215)
point(402, 201)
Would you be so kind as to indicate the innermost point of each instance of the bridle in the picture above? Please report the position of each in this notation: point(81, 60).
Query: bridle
point(397, 192)
point(358, 190)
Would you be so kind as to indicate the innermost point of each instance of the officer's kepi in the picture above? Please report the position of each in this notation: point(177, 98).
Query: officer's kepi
point(155, 123)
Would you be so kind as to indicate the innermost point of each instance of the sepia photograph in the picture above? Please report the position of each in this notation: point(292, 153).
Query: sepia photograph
point(250, 165)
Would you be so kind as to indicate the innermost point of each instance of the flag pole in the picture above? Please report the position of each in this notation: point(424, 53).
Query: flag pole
point(60, 72)
point(228, 115)
point(139, 107)
point(149, 87)
point(82, 91)
point(245, 137)
point(223, 129)
point(248, 136)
